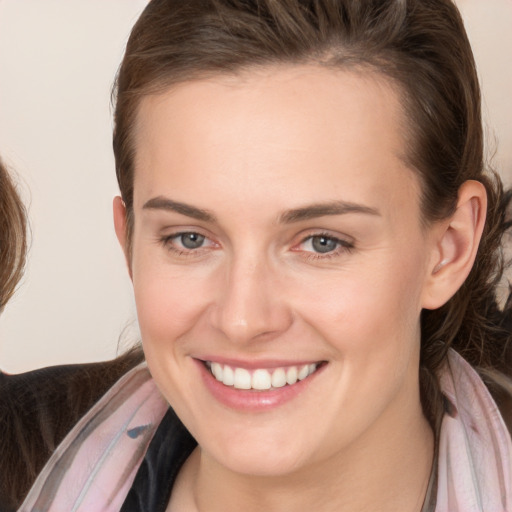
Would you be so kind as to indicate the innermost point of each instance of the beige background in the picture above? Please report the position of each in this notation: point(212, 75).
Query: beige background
point(57, 63)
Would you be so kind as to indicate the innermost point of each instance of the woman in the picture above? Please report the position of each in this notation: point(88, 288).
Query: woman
point(38, 408)
point(314, 245)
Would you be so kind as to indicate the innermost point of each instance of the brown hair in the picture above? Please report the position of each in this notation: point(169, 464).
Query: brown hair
point(13, 237)
point(421, 46)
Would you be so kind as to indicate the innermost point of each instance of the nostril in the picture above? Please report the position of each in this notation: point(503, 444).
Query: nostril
point(245, 314)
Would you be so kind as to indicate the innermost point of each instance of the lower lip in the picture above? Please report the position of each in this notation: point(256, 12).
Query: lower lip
point(253, 400)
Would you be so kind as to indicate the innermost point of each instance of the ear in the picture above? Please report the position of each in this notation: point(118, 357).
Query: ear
point(120, 223)
point(455, 245)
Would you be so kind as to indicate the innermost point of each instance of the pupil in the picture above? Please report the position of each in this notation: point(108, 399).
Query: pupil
point(323, 244)
point(192, 240)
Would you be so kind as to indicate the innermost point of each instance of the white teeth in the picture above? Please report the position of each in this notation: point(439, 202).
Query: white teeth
point(260, 379)
point(278, 378)
point(229, 376)
point(242, 379)
point(217, 371)
point(303, 372)
point(291, 375)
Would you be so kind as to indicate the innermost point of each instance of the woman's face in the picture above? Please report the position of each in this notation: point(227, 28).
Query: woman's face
point(277, 237)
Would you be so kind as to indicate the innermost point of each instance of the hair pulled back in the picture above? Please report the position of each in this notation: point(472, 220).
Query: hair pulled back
point(13, 231)
point(420, 46)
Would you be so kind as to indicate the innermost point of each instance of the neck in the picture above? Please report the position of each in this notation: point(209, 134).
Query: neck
point(387, 469)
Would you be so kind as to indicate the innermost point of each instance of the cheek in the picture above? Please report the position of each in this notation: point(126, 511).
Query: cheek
point(370, 320)
point(163, 311)
point(169, 301)
point(368, 310)
point(170, 306)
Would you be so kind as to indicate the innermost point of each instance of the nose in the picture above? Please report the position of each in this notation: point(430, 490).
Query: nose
point(250, 305)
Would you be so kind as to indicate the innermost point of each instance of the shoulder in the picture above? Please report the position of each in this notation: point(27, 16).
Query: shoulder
point(58, 395)
point(37, 410)
point(500, 387)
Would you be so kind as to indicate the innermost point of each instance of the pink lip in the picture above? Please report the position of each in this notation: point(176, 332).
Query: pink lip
point(252, 400)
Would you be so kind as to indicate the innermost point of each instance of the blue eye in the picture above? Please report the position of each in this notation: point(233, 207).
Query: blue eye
point(190, 240)
point(186, 243)
point(323, 244)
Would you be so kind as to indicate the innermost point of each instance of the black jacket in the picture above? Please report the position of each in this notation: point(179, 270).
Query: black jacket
point(37, 410)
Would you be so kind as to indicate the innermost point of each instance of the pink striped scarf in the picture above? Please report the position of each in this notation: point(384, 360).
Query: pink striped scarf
point(94, 467)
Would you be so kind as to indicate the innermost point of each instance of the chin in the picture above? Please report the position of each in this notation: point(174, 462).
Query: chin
point(258, 453)
point(254, 464)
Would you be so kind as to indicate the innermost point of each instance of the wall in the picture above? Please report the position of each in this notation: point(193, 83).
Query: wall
point(58, 59)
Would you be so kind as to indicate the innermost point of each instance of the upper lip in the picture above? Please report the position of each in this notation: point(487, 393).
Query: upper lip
point(253, 364)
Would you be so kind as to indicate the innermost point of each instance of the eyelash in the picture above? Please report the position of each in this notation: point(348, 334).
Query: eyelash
point(342, 246)
point(166, 241)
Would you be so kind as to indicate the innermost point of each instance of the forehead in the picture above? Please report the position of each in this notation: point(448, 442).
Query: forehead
point(324, 128)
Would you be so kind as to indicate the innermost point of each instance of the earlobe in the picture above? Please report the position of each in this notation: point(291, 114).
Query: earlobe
point(456, 245)
point(119, 210)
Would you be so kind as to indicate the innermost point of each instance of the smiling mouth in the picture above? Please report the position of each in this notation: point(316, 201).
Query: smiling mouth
point(260, 379)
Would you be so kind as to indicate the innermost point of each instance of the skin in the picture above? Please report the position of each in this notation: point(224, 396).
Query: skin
point(248, 150)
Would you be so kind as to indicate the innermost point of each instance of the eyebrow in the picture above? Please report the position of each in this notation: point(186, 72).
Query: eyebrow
point(323, 209)
point(163, 203)
point(288, 217)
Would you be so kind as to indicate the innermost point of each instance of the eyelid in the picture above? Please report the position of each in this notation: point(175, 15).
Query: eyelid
point(170, 231)
point(312, 233)
point(344, 244)
point(206, 242)
point(166, 240)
